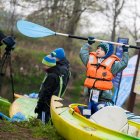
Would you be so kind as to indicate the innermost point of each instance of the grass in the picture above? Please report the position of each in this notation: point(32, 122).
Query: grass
point(39, 130)
point(75, 92)
point(8, 127)
point(33, 129)
point(29, 83)
point(28, 73)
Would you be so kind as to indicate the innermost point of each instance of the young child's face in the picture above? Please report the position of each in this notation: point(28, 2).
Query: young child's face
point(45, 67)
point(100, 52)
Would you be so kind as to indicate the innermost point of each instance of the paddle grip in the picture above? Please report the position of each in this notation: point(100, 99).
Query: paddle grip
point(78, 37)
point(136, 47)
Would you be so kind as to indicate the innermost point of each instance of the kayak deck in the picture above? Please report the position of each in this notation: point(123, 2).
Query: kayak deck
point(24, 105)
point(4, 106)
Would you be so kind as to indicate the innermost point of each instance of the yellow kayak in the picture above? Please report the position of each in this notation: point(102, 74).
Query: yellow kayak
point(73, 126)
point(16, 95)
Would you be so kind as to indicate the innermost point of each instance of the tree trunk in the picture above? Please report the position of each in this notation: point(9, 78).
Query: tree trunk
point(72, 23)
point(113, 34)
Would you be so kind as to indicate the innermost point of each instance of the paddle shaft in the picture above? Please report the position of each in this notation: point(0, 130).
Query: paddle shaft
point(34, 30)
point(97, 40)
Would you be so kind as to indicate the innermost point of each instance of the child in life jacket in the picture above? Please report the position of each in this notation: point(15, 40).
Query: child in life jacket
point(102, 65)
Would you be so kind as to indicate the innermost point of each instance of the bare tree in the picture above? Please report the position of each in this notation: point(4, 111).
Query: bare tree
point(12, 19)
point(75, 16)
point(113, 11)
point(61, 15)
point(135, 29)
point(9, 15)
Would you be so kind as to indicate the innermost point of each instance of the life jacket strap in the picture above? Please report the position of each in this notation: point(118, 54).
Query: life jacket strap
point(98, 78)
point(98, 65)
point(61, 85)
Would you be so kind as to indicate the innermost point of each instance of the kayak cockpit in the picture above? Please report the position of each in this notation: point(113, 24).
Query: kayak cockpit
point(114, 118)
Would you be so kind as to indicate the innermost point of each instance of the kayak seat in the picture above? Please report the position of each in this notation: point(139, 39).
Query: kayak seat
point(112, 117)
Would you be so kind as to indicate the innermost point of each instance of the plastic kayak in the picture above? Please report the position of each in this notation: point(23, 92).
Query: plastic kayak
point(4, 106)
point(23, 105)
point(73, 126)
point(21, 109)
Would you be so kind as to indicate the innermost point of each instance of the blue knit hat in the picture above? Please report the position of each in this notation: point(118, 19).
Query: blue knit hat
point(49, 61)
point(108, 48)
point(58, 53)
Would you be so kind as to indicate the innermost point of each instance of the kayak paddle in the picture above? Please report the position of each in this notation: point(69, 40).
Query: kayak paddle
point(36, 31)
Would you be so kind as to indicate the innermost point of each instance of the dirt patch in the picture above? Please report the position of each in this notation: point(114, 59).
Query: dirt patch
point(15, 132)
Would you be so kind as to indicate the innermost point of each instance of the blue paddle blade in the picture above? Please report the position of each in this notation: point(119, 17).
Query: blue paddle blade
point(33, 30)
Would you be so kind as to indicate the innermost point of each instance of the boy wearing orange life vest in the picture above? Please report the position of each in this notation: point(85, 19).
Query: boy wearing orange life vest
point(102, 65)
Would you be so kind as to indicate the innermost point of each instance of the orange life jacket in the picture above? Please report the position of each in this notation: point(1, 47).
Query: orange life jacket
point(99, 76)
